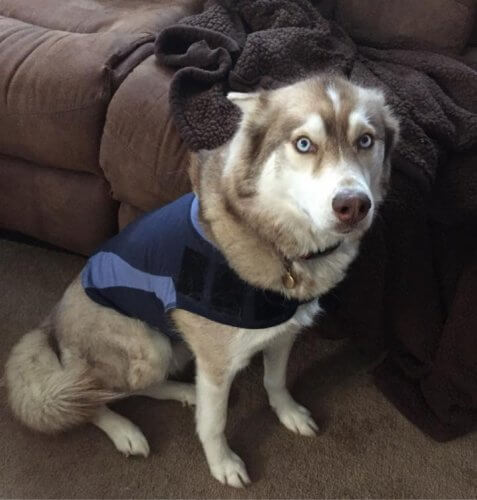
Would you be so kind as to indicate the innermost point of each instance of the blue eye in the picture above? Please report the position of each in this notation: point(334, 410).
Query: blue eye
point(365, 141)
point(303, 145)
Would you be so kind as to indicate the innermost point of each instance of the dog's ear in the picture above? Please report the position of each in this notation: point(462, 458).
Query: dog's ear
point(245, 101)
point(391, 138)
point(377, 99)
point(391, 132)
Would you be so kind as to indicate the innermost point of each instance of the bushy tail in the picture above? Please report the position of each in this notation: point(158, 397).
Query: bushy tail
point(43, 394)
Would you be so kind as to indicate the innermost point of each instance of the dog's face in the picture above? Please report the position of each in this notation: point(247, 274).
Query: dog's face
point(311, 161)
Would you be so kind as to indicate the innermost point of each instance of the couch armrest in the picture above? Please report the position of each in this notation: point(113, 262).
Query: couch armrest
point(142, 155)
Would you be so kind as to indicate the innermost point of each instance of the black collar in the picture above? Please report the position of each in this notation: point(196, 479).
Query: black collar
point(322, 253)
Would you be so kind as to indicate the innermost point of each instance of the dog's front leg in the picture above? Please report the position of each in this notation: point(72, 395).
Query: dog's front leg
point(292, 415)
point(211, 414)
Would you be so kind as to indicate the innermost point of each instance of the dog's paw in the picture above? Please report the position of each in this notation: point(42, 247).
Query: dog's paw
point(297, 419)
point(129, 440)
point(230, 471)
point(187, 395)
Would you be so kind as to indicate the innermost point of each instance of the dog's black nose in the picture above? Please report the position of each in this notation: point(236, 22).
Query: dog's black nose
point(351, 206)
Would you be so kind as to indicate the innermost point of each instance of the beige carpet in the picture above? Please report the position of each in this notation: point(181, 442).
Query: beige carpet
point(366, 449)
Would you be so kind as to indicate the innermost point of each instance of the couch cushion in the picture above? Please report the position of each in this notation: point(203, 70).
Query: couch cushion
point(54, 90)
point(142, 155)
point(430, 24)
point(94, 16)
point(73, 210)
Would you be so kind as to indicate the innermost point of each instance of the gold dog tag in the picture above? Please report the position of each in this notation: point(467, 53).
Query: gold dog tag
point(288, 280)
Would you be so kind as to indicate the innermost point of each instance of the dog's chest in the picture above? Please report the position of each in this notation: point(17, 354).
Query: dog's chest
point(245, 343)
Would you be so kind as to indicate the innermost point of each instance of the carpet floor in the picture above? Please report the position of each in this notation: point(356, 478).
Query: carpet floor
point(365, 448)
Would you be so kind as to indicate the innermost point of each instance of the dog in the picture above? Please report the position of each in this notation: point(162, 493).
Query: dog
point(283, 206)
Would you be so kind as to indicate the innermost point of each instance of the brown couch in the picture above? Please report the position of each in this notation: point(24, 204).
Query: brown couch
point(86, 138)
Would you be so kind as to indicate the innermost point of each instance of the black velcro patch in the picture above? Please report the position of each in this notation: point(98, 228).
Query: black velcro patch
point(192, 275)
point(228, 291)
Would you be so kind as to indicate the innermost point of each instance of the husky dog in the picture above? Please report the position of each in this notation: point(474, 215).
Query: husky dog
point(285, 204)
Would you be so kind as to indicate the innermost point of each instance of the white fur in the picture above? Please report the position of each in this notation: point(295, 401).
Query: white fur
point(292, 415)
point(211, 417)
point(127, 438)
point(169, 389)
point(313, 128)
point(335, 98)
point(245, 101)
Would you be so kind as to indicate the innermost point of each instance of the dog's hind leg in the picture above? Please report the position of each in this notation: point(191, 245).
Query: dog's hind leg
point(169, 389)
point(127, 438)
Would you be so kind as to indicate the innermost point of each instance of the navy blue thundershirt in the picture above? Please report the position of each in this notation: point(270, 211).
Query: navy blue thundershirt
point(163, 261)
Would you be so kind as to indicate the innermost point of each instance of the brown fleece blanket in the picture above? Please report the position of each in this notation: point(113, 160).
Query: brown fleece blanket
point(414, 287)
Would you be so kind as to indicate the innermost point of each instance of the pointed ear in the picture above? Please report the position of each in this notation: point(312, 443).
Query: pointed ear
point(245, 101)
point(391, 138)
point(391, 129)
point(391, 124)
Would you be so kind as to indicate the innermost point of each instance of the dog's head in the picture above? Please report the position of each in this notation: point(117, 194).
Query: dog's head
point(310, 162)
